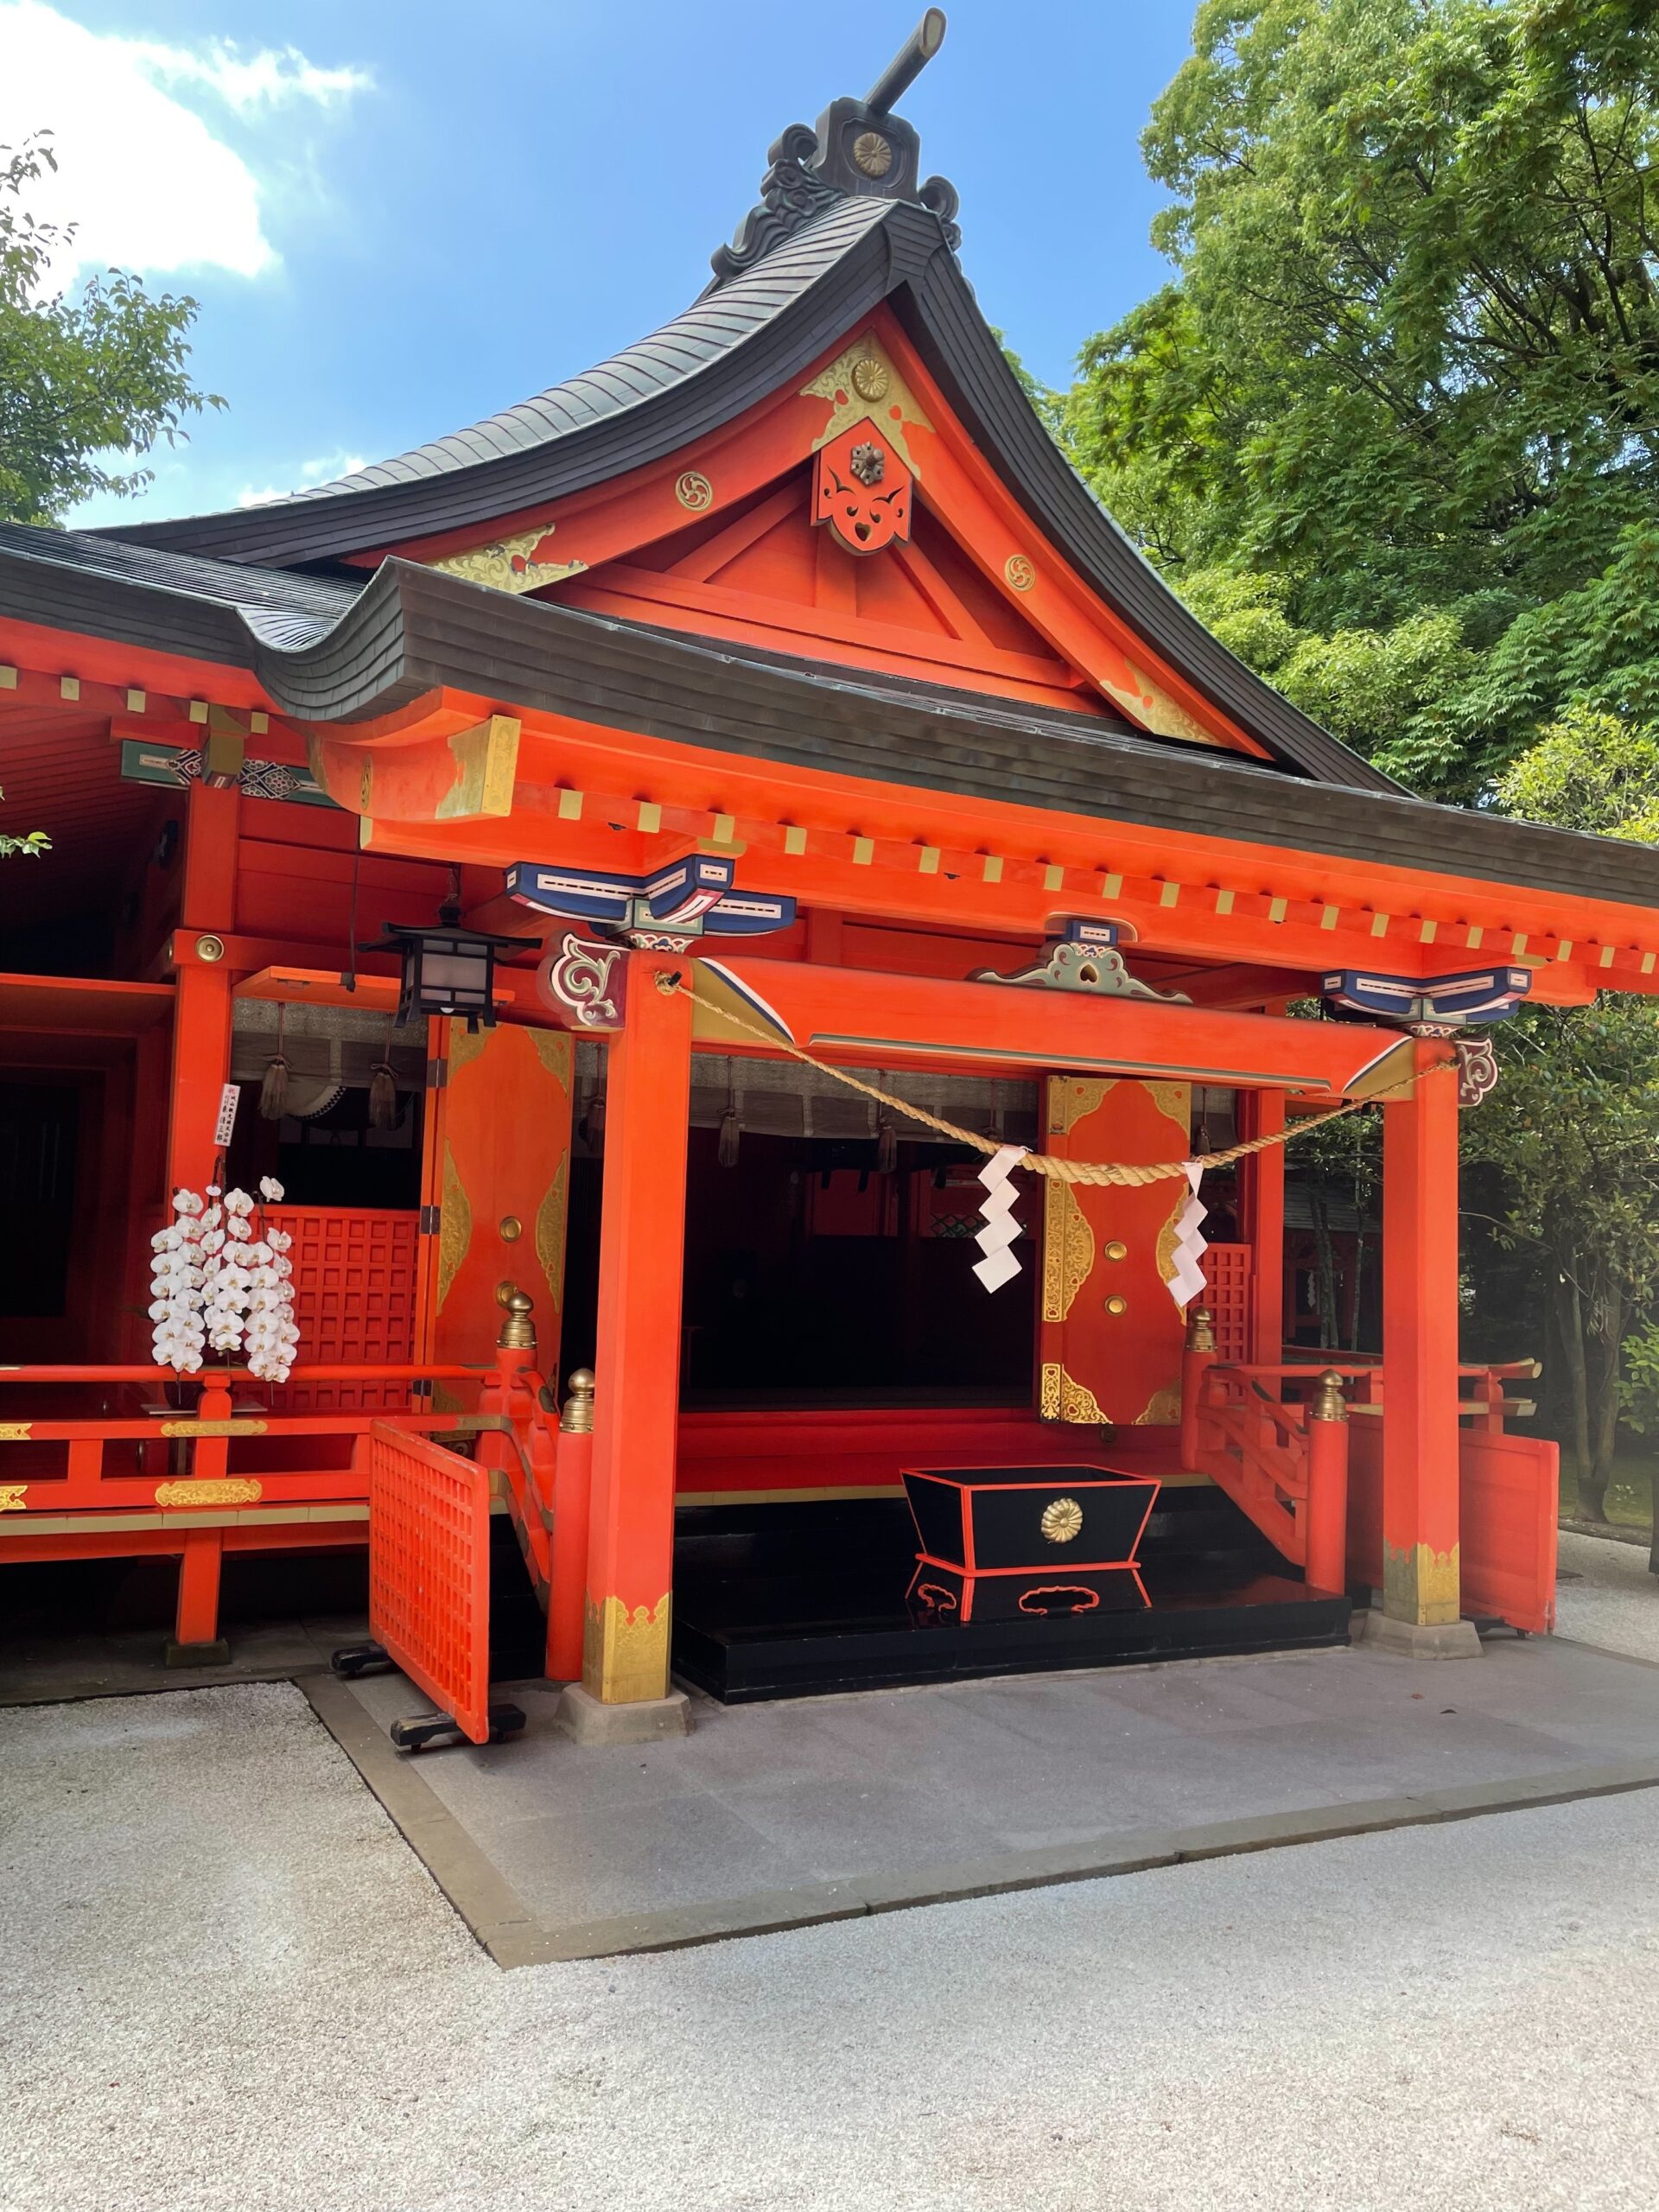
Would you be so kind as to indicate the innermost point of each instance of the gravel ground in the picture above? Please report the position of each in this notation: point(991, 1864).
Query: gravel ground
point(1617, 1603)
point(228, 1986)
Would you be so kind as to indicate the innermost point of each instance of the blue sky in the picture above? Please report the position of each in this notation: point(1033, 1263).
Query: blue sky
point(399, 217)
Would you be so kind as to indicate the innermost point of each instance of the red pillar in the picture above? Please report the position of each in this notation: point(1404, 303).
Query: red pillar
point(196, 1639)
point(1266, 1219)
point(1325, 1561)
point(201, 1017)
point(636, 1415)
point(1419, 1355)
point(195, 1634)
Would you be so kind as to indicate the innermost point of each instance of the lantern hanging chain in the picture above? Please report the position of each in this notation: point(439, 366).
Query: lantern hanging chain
point(1093, 1172)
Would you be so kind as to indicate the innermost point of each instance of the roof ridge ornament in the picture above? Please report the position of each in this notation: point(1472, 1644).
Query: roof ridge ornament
point(859, 150)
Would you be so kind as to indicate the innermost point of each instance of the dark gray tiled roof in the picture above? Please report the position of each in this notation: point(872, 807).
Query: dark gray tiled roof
point(407, 630)
point(707, 330)
point(281, 608)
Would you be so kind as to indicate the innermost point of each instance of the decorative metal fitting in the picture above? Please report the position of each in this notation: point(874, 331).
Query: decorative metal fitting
point(1329, 1404)
point(1061, 1520)
point(868, 463)
point(872, 153)
point(1200, 1330)
point(577, 1418)
point(517, 1330)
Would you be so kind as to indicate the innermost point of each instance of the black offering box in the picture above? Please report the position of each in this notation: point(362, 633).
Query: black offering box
point(1001, 1543)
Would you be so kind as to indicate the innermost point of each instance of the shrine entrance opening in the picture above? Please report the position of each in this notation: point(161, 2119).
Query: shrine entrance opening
point(829, 1247)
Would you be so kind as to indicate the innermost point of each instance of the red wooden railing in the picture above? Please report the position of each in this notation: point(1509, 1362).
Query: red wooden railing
point(234, 1474)
point(1277, 1440)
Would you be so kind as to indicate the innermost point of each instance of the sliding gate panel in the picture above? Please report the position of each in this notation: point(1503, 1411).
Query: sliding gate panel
point(429, 1570)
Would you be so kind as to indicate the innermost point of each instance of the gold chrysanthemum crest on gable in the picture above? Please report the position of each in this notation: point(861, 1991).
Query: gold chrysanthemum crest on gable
point(862, 381)
point(519, 563)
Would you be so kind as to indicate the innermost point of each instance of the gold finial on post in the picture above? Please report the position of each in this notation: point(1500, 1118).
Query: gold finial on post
point(517, 1330)
point(1200, 1330)
point(1329, 1404)
point(577, 1418)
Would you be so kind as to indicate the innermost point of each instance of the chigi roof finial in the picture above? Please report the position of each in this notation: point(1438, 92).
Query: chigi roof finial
point(859, 150)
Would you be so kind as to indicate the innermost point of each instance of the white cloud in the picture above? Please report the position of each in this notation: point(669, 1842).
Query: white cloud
point(150, 181)
point(325, 470)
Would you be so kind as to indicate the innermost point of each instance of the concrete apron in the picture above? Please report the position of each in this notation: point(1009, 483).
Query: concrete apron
point(489, 1834)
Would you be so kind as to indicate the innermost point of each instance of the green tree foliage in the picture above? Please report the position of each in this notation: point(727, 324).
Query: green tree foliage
point(1573, 1132)
point(1405, 380)
point(86, 381)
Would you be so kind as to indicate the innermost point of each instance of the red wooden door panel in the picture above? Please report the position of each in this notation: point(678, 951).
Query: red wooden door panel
point(1111, 1335)
point(501, 1172)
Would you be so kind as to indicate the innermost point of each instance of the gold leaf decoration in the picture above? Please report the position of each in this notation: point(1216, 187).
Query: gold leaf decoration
point(455, 1227)
point(849, 403)
point(1162, 1410)
point(1422, 1586)
point(1061, 1399)
point(1072, 1098)
point(1068, 1249)
point(625, 1651)
point(1153, 709)
point(508, 563)
point(227, 1490)
point(550, 1233)
point(486, 759)
point(554, 1049)
point(236, 1426)
point(1175, 1100)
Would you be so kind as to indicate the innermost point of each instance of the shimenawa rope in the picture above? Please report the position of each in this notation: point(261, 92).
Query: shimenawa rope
point(1090, 1172)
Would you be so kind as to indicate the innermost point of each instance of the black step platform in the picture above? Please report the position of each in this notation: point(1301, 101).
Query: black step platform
point(781, 1600)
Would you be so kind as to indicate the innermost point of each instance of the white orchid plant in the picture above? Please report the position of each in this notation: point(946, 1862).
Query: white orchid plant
point(222, 1280)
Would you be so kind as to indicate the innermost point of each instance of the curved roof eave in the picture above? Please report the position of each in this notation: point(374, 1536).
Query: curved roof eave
point(409, 631)
point(734, 347)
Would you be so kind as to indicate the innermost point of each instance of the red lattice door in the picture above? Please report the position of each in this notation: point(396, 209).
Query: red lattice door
point(354, 1301)
point(429, 1570)
point(1227, 1295)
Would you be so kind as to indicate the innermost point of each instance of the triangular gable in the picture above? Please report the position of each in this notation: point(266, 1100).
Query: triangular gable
point(723, 540)
point(767, 576)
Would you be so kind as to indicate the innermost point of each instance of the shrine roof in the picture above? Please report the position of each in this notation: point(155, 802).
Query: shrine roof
point(812, 260)
point(339, 653)
point(279, 606)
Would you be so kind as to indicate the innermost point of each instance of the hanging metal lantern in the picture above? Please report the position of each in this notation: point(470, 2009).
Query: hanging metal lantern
point(447, 969)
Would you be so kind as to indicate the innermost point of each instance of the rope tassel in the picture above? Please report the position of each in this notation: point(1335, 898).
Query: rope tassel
point(273, 1090)
point(383, 1090)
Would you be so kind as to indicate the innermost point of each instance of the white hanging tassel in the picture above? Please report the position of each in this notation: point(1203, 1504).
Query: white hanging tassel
point(1188, 1279)
point(999, 1265)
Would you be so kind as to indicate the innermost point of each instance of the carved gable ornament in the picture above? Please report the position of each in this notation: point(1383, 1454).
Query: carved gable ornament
point(524, 562)
point(863, 488)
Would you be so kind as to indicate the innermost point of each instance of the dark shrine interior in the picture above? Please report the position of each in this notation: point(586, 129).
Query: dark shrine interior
point(812, 1278)
point(810, 1272)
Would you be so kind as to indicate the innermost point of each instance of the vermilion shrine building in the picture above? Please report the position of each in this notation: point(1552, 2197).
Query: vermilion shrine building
point(776, 678)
